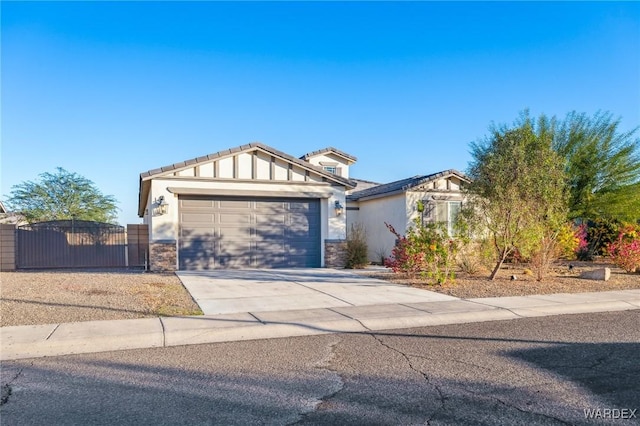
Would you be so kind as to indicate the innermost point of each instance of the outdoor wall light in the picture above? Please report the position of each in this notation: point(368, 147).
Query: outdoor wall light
point(162, 207)
point(339, 208)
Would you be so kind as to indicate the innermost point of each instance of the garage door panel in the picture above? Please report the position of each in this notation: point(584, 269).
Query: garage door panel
point(239, 218)
point(227, 232)
point(197, 203)
point(198, 257)
point(302, 232)
point(304, 219)
point(300, 262)
point(271, 206)
point(198, 218)
point(273, 246)
point(229, 235)
point(303, 207)
point(299, 251)
point(228, 204)
point(271, 219)
point(270, 235)
point(300, 244)
point(199, 230)
point(269, 260)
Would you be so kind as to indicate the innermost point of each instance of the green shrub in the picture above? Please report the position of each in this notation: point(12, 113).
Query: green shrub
point(475, 256)
point(426, 251)
point(357, 249)
point(600, 233)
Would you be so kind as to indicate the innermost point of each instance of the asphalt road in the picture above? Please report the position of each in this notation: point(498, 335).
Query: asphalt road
point(529, 371)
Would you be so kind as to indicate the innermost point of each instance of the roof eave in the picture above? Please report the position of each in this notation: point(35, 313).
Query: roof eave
point(350, 158)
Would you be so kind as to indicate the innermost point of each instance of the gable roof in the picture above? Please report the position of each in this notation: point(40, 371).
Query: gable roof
point(2, 208)
point(146, 177)
point(332, 150)
point(404, 185)
point(362, 184)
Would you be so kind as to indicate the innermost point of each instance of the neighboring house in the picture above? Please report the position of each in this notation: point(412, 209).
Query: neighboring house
point(9, 218)
point(255, 206)
point(396, 203)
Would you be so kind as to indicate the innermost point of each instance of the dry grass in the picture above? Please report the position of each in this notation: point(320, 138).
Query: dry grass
point(561, 280)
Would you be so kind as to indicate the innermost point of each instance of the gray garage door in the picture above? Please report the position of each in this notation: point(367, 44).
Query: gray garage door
point(234, 232)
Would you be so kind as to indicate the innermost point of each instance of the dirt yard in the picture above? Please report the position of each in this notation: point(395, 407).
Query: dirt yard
point(561, 280)
point(68, 296)
point(53, 297)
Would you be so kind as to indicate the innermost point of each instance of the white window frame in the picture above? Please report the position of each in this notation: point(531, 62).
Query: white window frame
point(437, 204)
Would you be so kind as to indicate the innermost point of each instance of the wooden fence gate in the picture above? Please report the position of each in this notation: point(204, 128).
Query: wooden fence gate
point(71, 244)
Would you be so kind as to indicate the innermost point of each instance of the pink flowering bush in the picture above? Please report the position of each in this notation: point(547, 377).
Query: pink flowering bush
point(425, 251)
point(625, 251)
point(581, 236)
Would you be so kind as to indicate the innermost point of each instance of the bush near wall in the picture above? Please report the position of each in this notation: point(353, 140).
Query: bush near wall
point(357, 250)
point(426, 251)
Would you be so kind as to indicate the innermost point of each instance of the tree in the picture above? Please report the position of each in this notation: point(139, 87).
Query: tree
point(517, 189)
point(62, 195)
point(602, 165)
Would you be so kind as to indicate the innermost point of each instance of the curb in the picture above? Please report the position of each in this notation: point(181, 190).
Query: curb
point(33, 341)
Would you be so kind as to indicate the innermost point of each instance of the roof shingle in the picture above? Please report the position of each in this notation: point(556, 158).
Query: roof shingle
point(403, 184)
point(329, 149)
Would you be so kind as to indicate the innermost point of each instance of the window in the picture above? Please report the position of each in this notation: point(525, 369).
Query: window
point(446, 212)
point(331, 169)
point(454, 211)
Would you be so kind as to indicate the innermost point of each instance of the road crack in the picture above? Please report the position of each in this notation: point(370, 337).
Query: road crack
point(453, 359)
point(7, 388)
point(441, 396)
point(324, 364)
point(515, 407)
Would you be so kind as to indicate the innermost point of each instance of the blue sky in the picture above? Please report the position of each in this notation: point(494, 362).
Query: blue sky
point(110, 90)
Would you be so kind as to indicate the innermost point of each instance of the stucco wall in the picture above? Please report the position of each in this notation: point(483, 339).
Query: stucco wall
point(373, 214)
point(331, 158)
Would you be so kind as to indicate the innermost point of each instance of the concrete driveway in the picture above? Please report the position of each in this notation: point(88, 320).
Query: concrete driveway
point(261, 290)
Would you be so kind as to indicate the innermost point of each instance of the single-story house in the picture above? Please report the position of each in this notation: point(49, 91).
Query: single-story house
point(256, 207)
point(397, 203)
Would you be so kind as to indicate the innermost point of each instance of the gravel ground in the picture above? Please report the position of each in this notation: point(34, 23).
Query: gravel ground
point(560, 280)
point(68, 296)
point(54, 296)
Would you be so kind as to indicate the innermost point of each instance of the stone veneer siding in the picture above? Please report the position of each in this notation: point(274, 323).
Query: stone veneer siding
point(162, 256)
point(335, 253)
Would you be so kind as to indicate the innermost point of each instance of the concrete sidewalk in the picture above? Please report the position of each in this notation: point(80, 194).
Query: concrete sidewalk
point(84, 337)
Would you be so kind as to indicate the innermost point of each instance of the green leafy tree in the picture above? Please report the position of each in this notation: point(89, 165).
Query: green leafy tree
point(517, 191)
point(62, 195)
point(602, 165)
